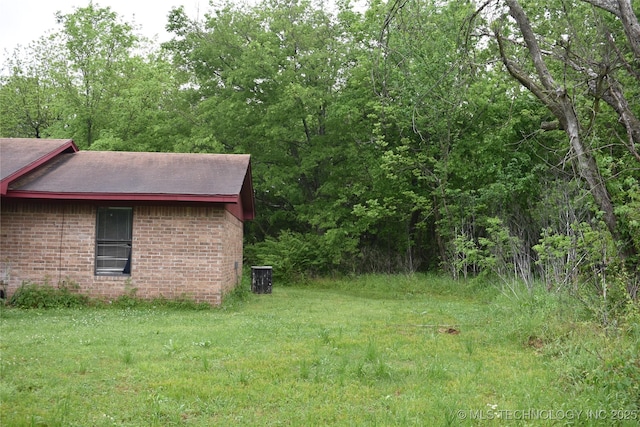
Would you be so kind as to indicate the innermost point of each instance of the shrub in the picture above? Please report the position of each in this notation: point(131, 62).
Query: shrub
point(288, 255)
point(295, 256)
point(33, 295)
point(584, 261)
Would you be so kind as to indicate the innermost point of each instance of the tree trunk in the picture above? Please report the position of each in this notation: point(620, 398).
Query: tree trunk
point(555, 97)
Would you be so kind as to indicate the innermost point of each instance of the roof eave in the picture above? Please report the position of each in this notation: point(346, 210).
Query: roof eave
point(66, 146)
point(124, 197)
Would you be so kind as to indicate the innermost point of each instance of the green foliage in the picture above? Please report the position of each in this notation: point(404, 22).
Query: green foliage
point(505, 254)
point(296, 255)
point(601, 361)
point(65, 295)
point(464, 257)
point(629, 213)
point(97, 45)
point(584, 262)
point(34, 295)
point(289, 255)
point(605, 367)
point(238, 296)
point(26, 83)
point(94, 81)
point(390, 140)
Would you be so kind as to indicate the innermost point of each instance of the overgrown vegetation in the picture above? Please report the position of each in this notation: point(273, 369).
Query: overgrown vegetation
point(497, 145)
point(67, 295)
point(399, 136)
point(34, 295)
point(369, 350)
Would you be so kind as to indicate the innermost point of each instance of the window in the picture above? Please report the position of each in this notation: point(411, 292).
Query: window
point(113, 241)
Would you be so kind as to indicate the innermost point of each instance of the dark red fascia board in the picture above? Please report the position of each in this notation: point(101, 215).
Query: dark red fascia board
point(133, 197)
point(247, 199)
point(69, 145)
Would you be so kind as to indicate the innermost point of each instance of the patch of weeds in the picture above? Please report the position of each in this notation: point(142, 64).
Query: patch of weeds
point(469, 345)
point(65, 295)
point(321, 366)
point(164, 411)
point(128, 299)
point(34, 295)
point(6, 390)
point(61, 413)
point(360, 370)
point(183, 302)
point(382, 371)
point(171, 348)
point(244, 378)
point(236, 298)
point(451, 416)
point(325, 336)
point(341, 370)
point(305, 371)
point(127, 357)
point(82, 369)
point(436, 371)
point(609, 369)
point(371, 352)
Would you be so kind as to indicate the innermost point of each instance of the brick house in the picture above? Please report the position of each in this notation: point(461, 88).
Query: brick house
point(166, 224)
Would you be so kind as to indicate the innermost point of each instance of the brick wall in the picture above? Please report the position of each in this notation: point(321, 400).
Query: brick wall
point(176, 250)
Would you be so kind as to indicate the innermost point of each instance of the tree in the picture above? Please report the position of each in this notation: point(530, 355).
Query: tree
point(96, 82)
point(611, 92)
point(570, 67)
point(98, 46)
point(450, 132)
point(30, 98)
point(268, 81)
point(556, 98)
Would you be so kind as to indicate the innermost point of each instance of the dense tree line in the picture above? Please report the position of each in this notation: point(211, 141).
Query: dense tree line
point(493, 137)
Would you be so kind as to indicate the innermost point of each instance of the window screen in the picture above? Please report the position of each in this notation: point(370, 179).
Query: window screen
point(113, 241)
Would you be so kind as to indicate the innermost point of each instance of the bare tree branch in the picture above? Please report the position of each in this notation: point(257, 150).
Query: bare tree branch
point(623, 10)
point(612, 94)
point(616, 100)
point(608, 5)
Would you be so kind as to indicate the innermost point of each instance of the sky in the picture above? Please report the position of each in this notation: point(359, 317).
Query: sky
point(23, 21)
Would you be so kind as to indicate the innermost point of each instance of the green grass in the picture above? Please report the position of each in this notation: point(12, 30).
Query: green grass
point(376, 350)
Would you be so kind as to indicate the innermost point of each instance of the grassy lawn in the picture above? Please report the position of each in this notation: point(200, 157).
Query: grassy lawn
point(371, 351)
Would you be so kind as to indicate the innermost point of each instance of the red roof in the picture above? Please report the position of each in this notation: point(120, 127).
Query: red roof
point(129, 176)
